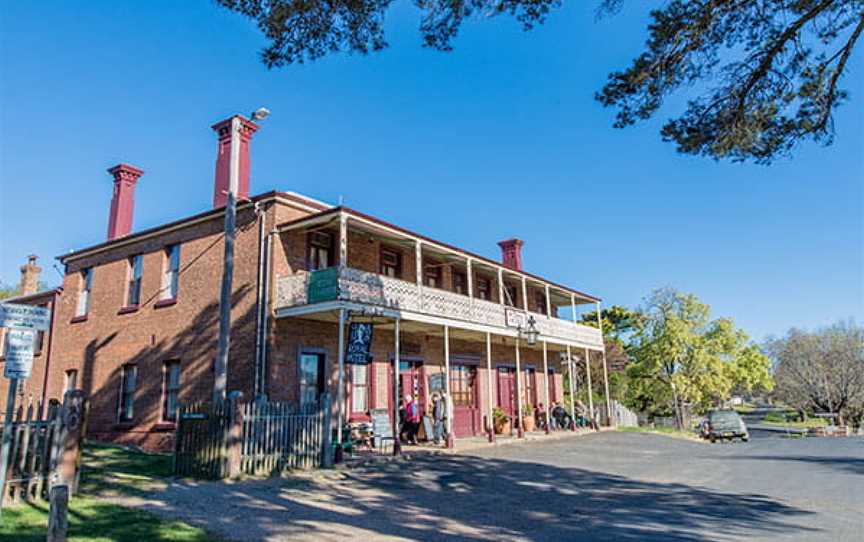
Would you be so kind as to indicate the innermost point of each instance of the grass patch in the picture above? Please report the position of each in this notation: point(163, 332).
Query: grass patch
point(668, 431)
point(93, 520)
point(787, 419)
point(744, 409)
point(107, 471)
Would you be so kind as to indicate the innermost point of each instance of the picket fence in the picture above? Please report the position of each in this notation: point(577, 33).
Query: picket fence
point(39, 441)
point(255, 438)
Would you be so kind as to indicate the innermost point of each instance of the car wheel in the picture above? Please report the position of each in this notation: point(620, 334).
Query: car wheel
point(712, 439)
point(745, 439)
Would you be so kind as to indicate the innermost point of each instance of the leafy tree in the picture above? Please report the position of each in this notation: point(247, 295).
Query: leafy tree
point(822, 371)
point(764, 74)
point(683, 357)
point(7, 291)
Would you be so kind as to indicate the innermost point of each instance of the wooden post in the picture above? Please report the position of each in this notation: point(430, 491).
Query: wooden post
point(418, 271)
point(397, 446)
point(489, 385)
point(573, 306)
point(469, 274)
point(605, 369)
point(343, 240)
point(58, 522)
point(588, 378)
point(546, 382)
point(7, 438)
point(501, 286)
point(548, 303)
point(520, 432)
point(340, 391)
point(235, 437)
point(524, 294)
point(572, 388)
point(449, 402)
point(326, 447)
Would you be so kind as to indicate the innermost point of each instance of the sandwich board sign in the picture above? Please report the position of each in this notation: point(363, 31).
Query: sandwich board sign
point(13, 315)
point(19, 353)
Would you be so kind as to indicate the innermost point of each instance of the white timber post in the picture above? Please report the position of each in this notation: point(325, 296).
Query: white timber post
point(548, 303)
point(546, 385)
point(520, 432)
point(340, 392)
point(573, 306)
point(609, 421)
point(449, 402)
point(489, 385)
point(343, 240)
point(572, 387)
point(588, 378)
point(524, 294)
point(397, 446)
point(501, 286)
point(470, 280)
point(418, 266)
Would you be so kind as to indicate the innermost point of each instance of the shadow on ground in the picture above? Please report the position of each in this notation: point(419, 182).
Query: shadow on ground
point(852, 465)
point(458, 498)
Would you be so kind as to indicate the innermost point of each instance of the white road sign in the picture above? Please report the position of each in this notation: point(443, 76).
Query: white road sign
point(19, 353)
point(14, 315)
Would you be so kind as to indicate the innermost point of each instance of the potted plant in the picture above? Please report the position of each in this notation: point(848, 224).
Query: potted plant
point(528, 418)
point(500, 421)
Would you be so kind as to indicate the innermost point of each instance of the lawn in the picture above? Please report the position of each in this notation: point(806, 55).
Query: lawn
point(107, 471)
point(781, 419)
point(670, 431)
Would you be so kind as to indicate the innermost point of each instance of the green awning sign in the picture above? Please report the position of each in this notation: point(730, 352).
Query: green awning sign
point(323, 285)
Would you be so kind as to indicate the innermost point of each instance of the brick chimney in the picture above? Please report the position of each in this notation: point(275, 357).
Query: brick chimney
point(223, 159)
point(29, 276)
point(123, 200)
point(511, 253)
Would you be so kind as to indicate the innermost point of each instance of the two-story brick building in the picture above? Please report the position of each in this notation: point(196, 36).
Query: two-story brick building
point(137, 322)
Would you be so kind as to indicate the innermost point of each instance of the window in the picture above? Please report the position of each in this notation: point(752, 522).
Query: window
point(171, 275)
point(320, 249)
point(460, 283)
point(484, 289)
point(133, 290)
point(540, 301)
point(359, 388)
point(432, 275)
point(71, 381)
point(462, 385)
point(84, 292)
point(391, 262)
point(128, 376)
point(510, 295)
point(530, 387)
point(170, 390)
point(38, 340)
point(311, 377)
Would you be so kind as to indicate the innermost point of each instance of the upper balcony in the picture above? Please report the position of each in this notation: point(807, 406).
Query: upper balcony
point(413, 302)
point(364, 263)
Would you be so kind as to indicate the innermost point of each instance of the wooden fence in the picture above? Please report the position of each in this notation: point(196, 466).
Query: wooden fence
point(254, 438)
point(39, 446)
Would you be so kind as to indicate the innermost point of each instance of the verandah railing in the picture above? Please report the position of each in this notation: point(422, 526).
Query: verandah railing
point(234, 438)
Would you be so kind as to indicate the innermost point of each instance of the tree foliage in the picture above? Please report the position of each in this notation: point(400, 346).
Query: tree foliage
point(764, 74)
point(682, 357)
point(822, 371)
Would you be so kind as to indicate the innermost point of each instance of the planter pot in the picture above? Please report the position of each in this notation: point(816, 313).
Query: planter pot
point(528, 423)
point(502, 427)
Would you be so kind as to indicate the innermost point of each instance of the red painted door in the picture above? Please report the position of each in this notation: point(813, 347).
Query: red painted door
point(552, 392)
point(466, 407)
point(507, 390)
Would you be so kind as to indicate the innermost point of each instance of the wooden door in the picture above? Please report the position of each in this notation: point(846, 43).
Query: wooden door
point(507, 390)
point(465, 395)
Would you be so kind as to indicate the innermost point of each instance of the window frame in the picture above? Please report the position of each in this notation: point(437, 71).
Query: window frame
point(540, 301)
point(460, 277)
point(481, 282)
point(321, 380)
point(85, 291)
point(511, 295)
point(126, 404)
point(366, 386)
point(170, 274)
point(432, 269)
point(396, 265)
point(170, 389)
point(312, 244)
point(134, 277)
point(463, 385)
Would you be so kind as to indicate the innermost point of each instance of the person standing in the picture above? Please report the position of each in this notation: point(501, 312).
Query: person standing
point(412, 420)
point(438, 415)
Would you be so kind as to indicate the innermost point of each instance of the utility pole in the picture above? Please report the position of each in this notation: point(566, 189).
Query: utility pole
point(221, 377)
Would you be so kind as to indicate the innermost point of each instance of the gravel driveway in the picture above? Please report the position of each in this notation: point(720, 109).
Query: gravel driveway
point(606, 486)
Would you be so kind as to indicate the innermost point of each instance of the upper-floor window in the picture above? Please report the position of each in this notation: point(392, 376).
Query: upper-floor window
point(133, 289)
point(432, 275)
point(460, 283)
point(320, 252)
point(128, 377)
point(391, 262)
point(84, 292)
point(511, 295)
point(171, 274)
point(540, 302)
point(484, 288)
point(170, 390)
point(71, 380)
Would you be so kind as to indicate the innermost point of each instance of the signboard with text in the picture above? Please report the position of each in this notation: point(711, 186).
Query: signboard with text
point(19, 353)
point(13, 315)
point(359, 343)
point(515, 318)
point(323, 285)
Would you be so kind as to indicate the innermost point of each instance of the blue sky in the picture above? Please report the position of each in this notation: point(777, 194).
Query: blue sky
point(499, 138)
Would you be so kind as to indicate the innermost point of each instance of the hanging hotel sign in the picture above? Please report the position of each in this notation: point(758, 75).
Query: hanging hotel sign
point(359, 343)
point(19, 353)
point(13, 315)
point(323, 285)
point(515, 318)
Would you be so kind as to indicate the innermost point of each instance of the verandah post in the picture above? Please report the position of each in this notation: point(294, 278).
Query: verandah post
point(519, 431)
point(588, 375)
point(546, 385)
point(449, 402)
point(572, 388)
point(489, 385)
point(397, 446)
point(605, 369)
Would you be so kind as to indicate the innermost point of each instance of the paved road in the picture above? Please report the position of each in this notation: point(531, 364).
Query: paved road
point(608, 486)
